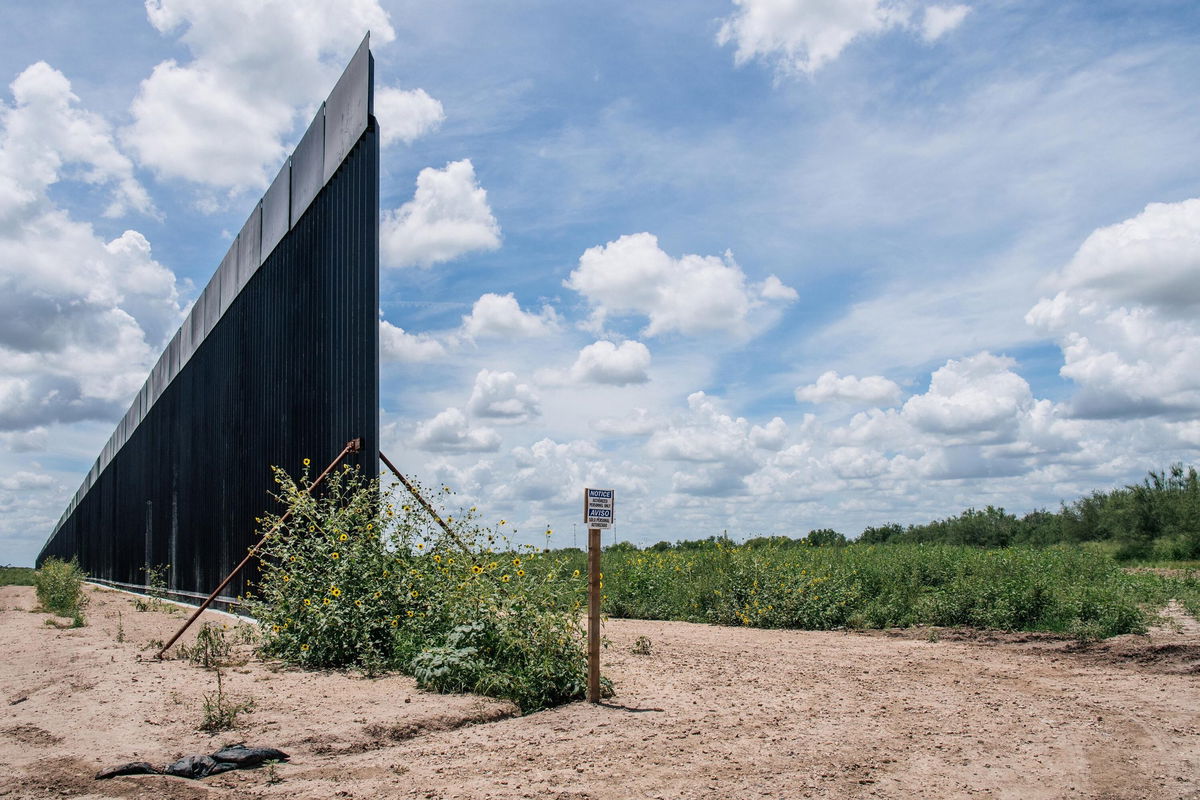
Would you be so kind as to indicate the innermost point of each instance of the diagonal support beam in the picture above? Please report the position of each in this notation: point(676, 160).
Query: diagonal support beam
point(424, 504)
point(352, 446)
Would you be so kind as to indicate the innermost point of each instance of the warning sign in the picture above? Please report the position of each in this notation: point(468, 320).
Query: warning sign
point(598, 507)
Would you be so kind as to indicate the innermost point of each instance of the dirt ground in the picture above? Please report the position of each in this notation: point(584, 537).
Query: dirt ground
point(710, 713)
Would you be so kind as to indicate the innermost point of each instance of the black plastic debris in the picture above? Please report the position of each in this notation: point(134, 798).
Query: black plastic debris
point(246, 757)
point(132, 768)
point(236, 756)
point(197, 767)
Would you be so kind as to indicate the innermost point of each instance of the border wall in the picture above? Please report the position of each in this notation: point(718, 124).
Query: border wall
point(277, 361)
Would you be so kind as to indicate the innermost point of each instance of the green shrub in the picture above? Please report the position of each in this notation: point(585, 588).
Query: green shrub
point(358, 579)
point(59, 586)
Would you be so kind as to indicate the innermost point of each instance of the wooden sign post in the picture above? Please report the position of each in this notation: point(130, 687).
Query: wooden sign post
point(597, 514)
point(593, 615)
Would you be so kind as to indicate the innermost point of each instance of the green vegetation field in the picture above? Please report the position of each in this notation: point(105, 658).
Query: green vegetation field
point(1070, 589)
point(16, 576)
point(1064, 571)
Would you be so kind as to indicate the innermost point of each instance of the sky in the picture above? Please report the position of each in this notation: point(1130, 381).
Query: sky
point(760, 266)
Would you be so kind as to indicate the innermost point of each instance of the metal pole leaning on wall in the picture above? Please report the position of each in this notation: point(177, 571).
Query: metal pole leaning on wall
point(428, 508)
point(352, 446)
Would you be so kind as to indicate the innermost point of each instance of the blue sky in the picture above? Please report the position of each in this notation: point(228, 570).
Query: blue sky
point(760, 265)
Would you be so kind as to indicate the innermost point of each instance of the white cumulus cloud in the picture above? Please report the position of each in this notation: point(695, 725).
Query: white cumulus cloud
point(222, 118)
point(1152, 259)
point(692, 295)
point(873, 390)
point(406, 115)
point(448, 217)
point(81, 318)
point(499, 395)
point(1124, 315)
point(450, 432)
point(605, 362)
point(500, 315)
point(396, 344)
point(978, 398)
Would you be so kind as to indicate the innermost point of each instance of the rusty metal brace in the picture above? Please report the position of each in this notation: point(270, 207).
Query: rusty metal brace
point(352, 446)
point(428, 508)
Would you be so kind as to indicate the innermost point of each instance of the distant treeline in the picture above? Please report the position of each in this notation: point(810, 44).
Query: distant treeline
point(1157, 518)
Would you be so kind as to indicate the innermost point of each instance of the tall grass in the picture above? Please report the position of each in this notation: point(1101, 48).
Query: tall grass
point(1064, 589)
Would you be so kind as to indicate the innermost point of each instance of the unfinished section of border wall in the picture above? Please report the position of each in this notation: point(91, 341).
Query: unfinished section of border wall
point(278, 361)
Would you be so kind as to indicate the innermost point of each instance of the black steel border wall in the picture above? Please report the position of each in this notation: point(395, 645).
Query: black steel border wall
point(277, 362)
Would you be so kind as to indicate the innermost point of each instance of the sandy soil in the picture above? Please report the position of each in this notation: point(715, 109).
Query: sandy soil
point(711, 713)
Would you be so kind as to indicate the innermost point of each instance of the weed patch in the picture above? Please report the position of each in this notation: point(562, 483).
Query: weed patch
point(220, 713)
point(59, 586)
point(210, 650)
point(359, 579)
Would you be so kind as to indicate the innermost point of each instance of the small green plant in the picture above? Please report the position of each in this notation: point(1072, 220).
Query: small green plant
point(120, 628)
point(245, 634)
point(156, 579)
point(59, 586)
point(156, 590)
point(642, 646)
point(221, 713)
point(210, 650)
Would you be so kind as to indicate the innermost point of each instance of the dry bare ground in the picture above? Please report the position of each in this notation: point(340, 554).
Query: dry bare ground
point(710, 713)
